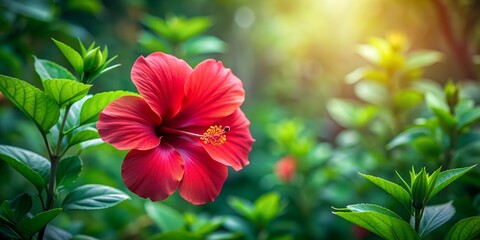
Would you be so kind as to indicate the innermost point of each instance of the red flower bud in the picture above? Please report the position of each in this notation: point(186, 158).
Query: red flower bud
point(285, 168)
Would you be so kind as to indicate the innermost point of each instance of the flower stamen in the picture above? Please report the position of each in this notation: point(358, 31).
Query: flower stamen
point(215, 135)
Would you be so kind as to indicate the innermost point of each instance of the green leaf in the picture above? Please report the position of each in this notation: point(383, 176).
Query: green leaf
point(175, 235)
point(177, 29)
point(351, 114)
point(73, 118)
point(366, 207)
point(166, 218)
point(407, 137)
point(202, 228)
point(465, 229)
point(64, 91)
point(391, 188)
point(187, 28)
point(7, 232)
point(242, 207)
point(427, 147)
point(68, 170)
point(407, 99)
point(385, 226)
point(90, 143)
point(356, 75)
point(72, 56)
point(203, 45)
point(369, 53)
point(6, 213)
point(267, 207)
point(152, 43)
point(230, 236)
point(30, 226)
point(421, 59)
point(446, 120)
point(49, 70)
point(32, 166)
point(93, 197)
point(372, 92)
point(468, 118)
point(94, 105)
point(103, 69)
point(30, 100)
point(55, 233)
point(436, 101)
point(466, 139)
point(22, 205)
point(84, 135)
point(447, 177)
point(434, 216)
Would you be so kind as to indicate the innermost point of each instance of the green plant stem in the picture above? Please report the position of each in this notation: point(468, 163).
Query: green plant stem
point(451, 145)
point(51, 184)
point(451, 149)
point(418, 217)
point(54, 160)
point(61, 134)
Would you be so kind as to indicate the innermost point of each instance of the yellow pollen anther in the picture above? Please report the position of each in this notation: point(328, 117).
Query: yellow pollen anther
point(215, 135)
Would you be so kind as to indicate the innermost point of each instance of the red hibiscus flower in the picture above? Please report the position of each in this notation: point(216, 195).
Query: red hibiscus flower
point(183, 131)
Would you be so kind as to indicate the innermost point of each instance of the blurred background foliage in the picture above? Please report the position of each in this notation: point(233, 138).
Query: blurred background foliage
point(333, 88)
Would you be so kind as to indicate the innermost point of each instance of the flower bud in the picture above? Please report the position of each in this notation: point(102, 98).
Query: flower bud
point(92, 60)
point(451, 94)
point(420, 190)
point(285, 168)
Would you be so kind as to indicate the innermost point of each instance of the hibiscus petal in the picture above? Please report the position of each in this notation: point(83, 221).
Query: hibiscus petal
point(212, 92)
point(153, 173)
point(234, 152)
point(160, 79)
point(129, 123)
point(203, 177)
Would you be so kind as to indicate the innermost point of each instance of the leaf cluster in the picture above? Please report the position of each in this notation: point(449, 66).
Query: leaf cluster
point(424, 219)
point(65, 114)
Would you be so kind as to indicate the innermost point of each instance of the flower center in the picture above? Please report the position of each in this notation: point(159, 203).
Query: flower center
point(215, 135)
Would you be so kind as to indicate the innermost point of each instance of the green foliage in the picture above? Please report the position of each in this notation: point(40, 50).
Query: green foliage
point(174, 225)
point(49, 70)
point(64, 91)
point(32, 166)
point(94, 105)
point(29, 226)
point(68, 170)
point(180, 36)
point(177, 29)
point(72, 56)
point(414, 196)
point(350, 114)
point(263, 211)
point(402, 195)
point(385, 226)
point(22, 205)
point(56, 112)
point(83, 135)
point(167, 218)
point(434, 216)
point(93, 197)
point(38, 106)
point(467, 228)
point(446, 177)
point(447, 131)
point(90, 63)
